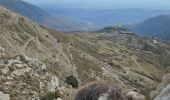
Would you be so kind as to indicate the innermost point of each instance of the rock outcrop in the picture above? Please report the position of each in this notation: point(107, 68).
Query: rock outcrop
point(26, 81)
point(132, 95)
point(164, 94)
point(162, 91)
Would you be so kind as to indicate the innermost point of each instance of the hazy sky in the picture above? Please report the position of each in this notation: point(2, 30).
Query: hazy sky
point(104, 4)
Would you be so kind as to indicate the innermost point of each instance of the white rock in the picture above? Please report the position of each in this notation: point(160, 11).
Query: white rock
point(41, 86)
point(53, 84)
point(5, 70)
point(135, 95)
point(59, 99)
point(43, 67)
point(1, 62)
point(20, 65)
point(103, 96)
point(61, 92)
point(4, 96)
point(14, 61)
point(8, 83)
point(165, 94)
point(132, 93)
point(20, 71)
point(155, 41)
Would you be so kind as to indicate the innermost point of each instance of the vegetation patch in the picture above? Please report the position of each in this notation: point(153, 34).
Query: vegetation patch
point(71, 80)
point(51, 96)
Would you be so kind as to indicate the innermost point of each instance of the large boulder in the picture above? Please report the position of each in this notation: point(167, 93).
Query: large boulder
point(132, 95)
point(163, 89)
point(164, 94)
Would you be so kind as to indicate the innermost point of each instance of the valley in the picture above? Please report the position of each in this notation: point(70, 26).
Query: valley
point(39, 59)
point(49, 56)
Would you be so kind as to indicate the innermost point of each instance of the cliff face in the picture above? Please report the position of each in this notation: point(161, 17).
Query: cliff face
point(36, 61)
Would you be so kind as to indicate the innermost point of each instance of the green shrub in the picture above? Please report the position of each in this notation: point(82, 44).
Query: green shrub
point(51, 96)
point(71, 80)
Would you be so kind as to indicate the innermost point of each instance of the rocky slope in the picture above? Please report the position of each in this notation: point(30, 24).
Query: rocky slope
point(20, 76)
point(36, 61)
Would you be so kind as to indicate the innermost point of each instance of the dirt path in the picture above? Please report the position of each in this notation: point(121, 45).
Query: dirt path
point(137, 64)
point(71, 56)
point(25, 45)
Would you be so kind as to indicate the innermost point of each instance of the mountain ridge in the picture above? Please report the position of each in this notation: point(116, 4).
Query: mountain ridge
point(156, 26)
point(43, 17)
point(36, 61)
point(108, 17)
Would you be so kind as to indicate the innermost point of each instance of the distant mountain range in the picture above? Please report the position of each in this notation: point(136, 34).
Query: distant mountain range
point(43, 17)
point(109, 16)
point(158, 26)
point(88, 20)
point(38, 63)
point(140, 21)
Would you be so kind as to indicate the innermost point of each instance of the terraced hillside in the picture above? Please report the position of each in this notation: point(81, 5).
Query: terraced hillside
point(35, 61)
point(127, 59)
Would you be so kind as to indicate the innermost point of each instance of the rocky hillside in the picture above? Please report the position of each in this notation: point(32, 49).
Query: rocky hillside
point(39, 63)
point(28, 53)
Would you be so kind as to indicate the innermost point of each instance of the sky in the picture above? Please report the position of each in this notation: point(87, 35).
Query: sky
point(103, 4)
